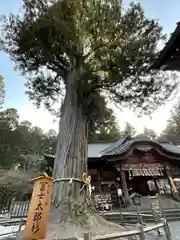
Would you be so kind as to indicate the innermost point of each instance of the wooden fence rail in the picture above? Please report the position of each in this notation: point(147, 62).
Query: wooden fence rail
point(22, 222)
point(139, 232)
point(20, 210)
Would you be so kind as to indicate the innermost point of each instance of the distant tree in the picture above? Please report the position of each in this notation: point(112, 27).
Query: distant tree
point(50, 142)
point(1, 91)
point(148, 133)
point(129, 130)
point(172, 131)
point(14, 184)
point(8, 140)
point(102, 125)
point(32, 162)
point(20, 141)
point(9, 119)
point(93, 48)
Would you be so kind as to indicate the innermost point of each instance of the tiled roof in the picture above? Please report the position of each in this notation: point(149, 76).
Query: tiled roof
point(122, 148)
point(115, 145)
point(167, 59)
point(170, 147)
point(97, 150)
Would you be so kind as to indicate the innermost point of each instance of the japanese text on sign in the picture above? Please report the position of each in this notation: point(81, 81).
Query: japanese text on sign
point(38, 211)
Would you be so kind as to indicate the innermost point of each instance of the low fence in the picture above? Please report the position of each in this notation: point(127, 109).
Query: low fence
point(19, 225)
point(5, 206)
point(18, 209)
point(139, 233)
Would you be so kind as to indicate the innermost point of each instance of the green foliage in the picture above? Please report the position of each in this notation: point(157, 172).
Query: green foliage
point(19, 139)
point(110, 49)
point(106, 130)
point(1, 91)
point(172, 131)
point(23, 143)
point(14, 184)
point(129, 130)
point(102, 125)
point(148, 133)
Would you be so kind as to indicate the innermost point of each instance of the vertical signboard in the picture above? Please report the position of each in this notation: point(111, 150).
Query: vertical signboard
point(39, 209)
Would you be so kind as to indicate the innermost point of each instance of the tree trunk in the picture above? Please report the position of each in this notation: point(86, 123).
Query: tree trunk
point(71, 155)
point(75, 213)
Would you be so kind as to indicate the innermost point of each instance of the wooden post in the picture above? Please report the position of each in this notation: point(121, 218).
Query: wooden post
point(167, 230)
point(172, 184)
point(21, 223)
point(139, 216)
point(124, 184)
point(141, 234)
point(87, 236)
point(99, 180)
point(156, 185)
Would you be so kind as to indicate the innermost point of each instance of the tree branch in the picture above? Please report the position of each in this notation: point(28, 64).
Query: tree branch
point(60, 71)
point(62, 60)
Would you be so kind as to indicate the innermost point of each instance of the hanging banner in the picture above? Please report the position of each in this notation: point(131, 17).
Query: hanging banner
point(39, 209)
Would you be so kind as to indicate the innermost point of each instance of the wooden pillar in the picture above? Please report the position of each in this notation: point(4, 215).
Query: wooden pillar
point(156, 185)
point(172, 184)
point(124, 185)
point(99, 180)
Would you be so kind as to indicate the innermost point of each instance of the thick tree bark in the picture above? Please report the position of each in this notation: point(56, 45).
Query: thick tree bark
point(75, 213)
point(71, 155)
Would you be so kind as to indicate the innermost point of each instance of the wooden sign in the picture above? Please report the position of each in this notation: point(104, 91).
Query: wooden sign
point(39, 209)
point(102, 200)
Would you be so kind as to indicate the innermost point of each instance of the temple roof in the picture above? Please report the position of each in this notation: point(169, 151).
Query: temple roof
point(126, 144)
point(169, 58)
point(167, 149)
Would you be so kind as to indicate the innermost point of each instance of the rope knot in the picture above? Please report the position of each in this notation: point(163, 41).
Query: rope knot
point(86, 179)
point(87, 182)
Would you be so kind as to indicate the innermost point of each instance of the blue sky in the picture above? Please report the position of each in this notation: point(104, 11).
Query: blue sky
point(14, 84)
point(165, 10)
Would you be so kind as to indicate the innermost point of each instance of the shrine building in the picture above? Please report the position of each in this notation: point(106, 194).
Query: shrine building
point(134, 165)
point(169, 57)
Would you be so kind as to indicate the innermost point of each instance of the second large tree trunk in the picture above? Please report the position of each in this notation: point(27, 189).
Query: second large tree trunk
point(71, 156)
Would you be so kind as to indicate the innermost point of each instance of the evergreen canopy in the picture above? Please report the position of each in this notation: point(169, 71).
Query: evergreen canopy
point(112, 50)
